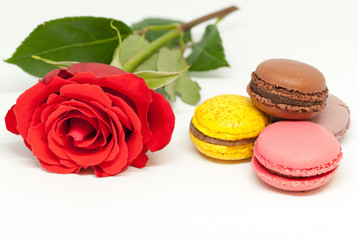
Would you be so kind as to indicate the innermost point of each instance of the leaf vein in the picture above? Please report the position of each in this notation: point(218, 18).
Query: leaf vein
point(204, 52)
point(76, 45)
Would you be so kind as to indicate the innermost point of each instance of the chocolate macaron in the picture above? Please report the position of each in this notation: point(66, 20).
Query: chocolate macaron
point(288, 89)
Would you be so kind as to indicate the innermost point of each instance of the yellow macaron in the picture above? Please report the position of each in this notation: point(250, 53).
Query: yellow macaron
point(225, 127)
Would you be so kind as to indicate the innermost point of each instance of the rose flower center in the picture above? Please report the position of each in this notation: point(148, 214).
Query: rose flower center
point(79, 129)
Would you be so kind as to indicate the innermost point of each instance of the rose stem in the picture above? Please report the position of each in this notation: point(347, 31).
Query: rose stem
point(132, 62)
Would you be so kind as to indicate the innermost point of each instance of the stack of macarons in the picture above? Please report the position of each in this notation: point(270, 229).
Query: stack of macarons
point(288, 89)
point(300, 150)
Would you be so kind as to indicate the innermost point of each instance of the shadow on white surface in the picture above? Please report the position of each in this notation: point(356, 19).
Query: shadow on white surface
point(21, 154)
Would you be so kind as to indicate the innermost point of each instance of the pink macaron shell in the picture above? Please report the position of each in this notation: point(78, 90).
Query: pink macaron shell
point(290, 184)
point(297, 148)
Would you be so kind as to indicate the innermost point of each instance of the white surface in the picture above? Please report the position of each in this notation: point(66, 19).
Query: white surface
point(181, 194)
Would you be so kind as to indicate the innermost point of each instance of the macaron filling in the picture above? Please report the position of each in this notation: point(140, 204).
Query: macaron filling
point(201, 136)
point(287, 172)
point(278, 99)
point(280, 95)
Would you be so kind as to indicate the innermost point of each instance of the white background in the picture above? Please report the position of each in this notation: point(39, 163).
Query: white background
point(181, 194)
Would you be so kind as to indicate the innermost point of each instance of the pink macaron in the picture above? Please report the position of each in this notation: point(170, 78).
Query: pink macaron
point(296, 155)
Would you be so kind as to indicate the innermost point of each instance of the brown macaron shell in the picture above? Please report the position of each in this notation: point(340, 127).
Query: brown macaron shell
point(288, 89)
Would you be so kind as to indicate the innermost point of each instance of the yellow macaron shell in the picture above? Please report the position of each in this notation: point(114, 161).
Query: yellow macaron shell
point(228, 117)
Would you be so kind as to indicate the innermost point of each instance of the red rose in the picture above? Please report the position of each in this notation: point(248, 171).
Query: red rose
point(91, 115)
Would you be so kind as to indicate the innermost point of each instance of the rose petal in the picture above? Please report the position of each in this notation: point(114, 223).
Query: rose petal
point(122, 117)
point(91, 157)
point(39, 113)
point(68, 163)
point(88, 157)
point(73, 109)
point(10, 120)
point(141, 159)
point(56, 145)
point(136, 89)
point(110, 168)
point(99, 120)
point(61, 130)
point(27, 103)
point(55, 99)
point(92, 110)
point(161, 122)
point(134, 139)
point(57, 128)
point(79, 129)
point(119, 161)
point(118, 139)
point(39, 144)
point(99, 69)
point(99, 172)
point(59, 72)
point(58, 139)
point(86, 92)
point(133, 88)
point(54, 115)
point(115, 149)
point(59, 168)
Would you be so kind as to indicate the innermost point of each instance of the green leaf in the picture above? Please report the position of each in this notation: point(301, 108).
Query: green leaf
point(150, 64)
point(155, 79)
point(153, 34)
point(173, 60)
point(208, 54)
point(82, 39)
point(131, 45)
point(188, 89)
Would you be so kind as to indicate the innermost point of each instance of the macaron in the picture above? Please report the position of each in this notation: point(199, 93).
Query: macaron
point(335, 116)
point(288, 89)
point(225, 127)
point(296, 155)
